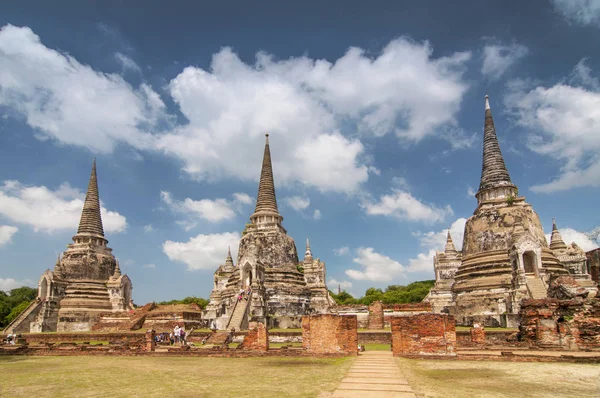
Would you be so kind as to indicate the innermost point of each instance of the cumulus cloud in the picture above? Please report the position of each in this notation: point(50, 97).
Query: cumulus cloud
point(402, 205)
point(583, 12)
point(47, 210)
point(433, 241)
point(297, 203)
point(148, 228)
point(334, 285)
point(498, 58)
point(7, 284)
point(375, 266)
point(305, 103)
point(342, 251)
point(563, 123)
point(6, 234)
point(211, 210)
point(203, 251)
point(570, 235)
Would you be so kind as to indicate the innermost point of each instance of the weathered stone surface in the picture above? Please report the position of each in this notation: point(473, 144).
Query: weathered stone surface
point(565, 287)
point(257, 338)
point(423, 334)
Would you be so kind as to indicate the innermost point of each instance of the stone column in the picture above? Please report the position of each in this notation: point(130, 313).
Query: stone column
point(150, 344)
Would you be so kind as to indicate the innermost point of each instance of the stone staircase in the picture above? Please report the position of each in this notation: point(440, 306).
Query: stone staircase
point(536, 287)
point(34, 306)
point(239, 315)
point(87, 294)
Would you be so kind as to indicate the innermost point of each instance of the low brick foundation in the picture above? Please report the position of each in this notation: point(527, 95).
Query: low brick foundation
point(257, 338)
point(327, 333)
point(423, 335)
point(478, 334)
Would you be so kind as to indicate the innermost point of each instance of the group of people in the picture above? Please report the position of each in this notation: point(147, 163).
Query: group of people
point(177, 336)
point(11, 338)
point(244, 294)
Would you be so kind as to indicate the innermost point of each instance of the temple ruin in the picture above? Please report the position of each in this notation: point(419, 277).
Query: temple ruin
point(283, 289)
point(505, 256)
point(86, 280)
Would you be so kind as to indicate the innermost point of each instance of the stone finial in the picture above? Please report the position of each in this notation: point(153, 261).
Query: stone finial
point(308, 252)
point(91, 219)
point(556, 241)
point(449, 244)
point(57, 267)
point(117, 272)
point(229, 260)
point(493, 172)
point(266, 202)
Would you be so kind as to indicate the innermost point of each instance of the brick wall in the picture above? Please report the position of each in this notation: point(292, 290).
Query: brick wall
point(149, 340)
point(257, 338)
point(423, 334)
point(375, 315)
point(328, 333)
point(478, 334)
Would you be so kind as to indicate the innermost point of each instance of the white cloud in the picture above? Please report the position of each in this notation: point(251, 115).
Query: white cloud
point(334, 284)
point(375, 267)
point(564, 122)
point(342, 251)
point(7, 284)
point(297, 203)
point(148, 228)
point(6, 234)
point(151, 266)
point(203, 251)
point(402, 205)
point(47, 210)
point(570, 235)
point(582, 75)
point(584, 12)
point(57, 95)
point(498, 58)
point(303, 102)
point(471, 192)
point(127, 63)
point(211, 210)
point(317, 214)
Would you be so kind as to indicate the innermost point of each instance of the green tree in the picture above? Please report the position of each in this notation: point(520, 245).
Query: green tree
point(16, 311)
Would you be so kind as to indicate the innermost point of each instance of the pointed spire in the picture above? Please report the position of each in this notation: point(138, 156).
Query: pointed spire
point(91, 219)
point(117, 272)
point(493, 172)
point(265, 200)
point(229, 260)
point(449, 244)
point(556, 241)
point(308, 252)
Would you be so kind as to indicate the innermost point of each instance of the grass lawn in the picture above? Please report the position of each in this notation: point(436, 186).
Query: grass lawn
point(378, 347)
point(169, 377)
point(444, 379)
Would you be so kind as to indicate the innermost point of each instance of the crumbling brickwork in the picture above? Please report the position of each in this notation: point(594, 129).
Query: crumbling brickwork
point(328, 333)
point(567, 324)
point(257, 338)
point(376, 315)
point(150, 343)
point(477, 334)
point(423, 334)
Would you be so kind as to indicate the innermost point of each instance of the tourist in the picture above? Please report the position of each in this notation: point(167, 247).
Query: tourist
point(182, 335)
point(171, 338)
point(176, 333)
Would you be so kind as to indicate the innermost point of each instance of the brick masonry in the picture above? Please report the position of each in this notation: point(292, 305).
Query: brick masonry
point(423, 335)
point(375, 320)
point(478, 334)
point(149, 340)
point(328, 333)
point(257, 338)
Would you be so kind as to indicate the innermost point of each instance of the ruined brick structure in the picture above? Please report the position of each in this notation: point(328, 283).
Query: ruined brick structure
point(283, 288)
point(376, 315)
point(330, 334)
point(423, 335)
point(257, 338)
point(565, 324)
point(505, 256)
point(86, 280)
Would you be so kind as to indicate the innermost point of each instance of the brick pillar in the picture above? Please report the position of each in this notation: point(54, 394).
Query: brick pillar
point(376, 315)
point(150, 344)
point(257, 338)
point(330, 334)
point(423, 334)
point(477, 334)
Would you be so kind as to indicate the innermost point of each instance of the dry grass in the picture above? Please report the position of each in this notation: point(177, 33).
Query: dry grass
point(447, 378)
point(83, 377)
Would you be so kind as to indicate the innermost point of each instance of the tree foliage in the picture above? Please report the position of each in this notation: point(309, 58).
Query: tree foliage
point(10, 302)
point(188, 300)
point(393, 294)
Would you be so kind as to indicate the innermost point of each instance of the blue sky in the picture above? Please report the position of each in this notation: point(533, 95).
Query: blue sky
point(375, 113)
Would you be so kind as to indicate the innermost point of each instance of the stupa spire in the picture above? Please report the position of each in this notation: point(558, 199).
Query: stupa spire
point(266, 200)
point(308, 252)
point(91, 219)
point(493, 171)
point(449, 244)
point(117, 272)
point(556, 241)
point(229, 260)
